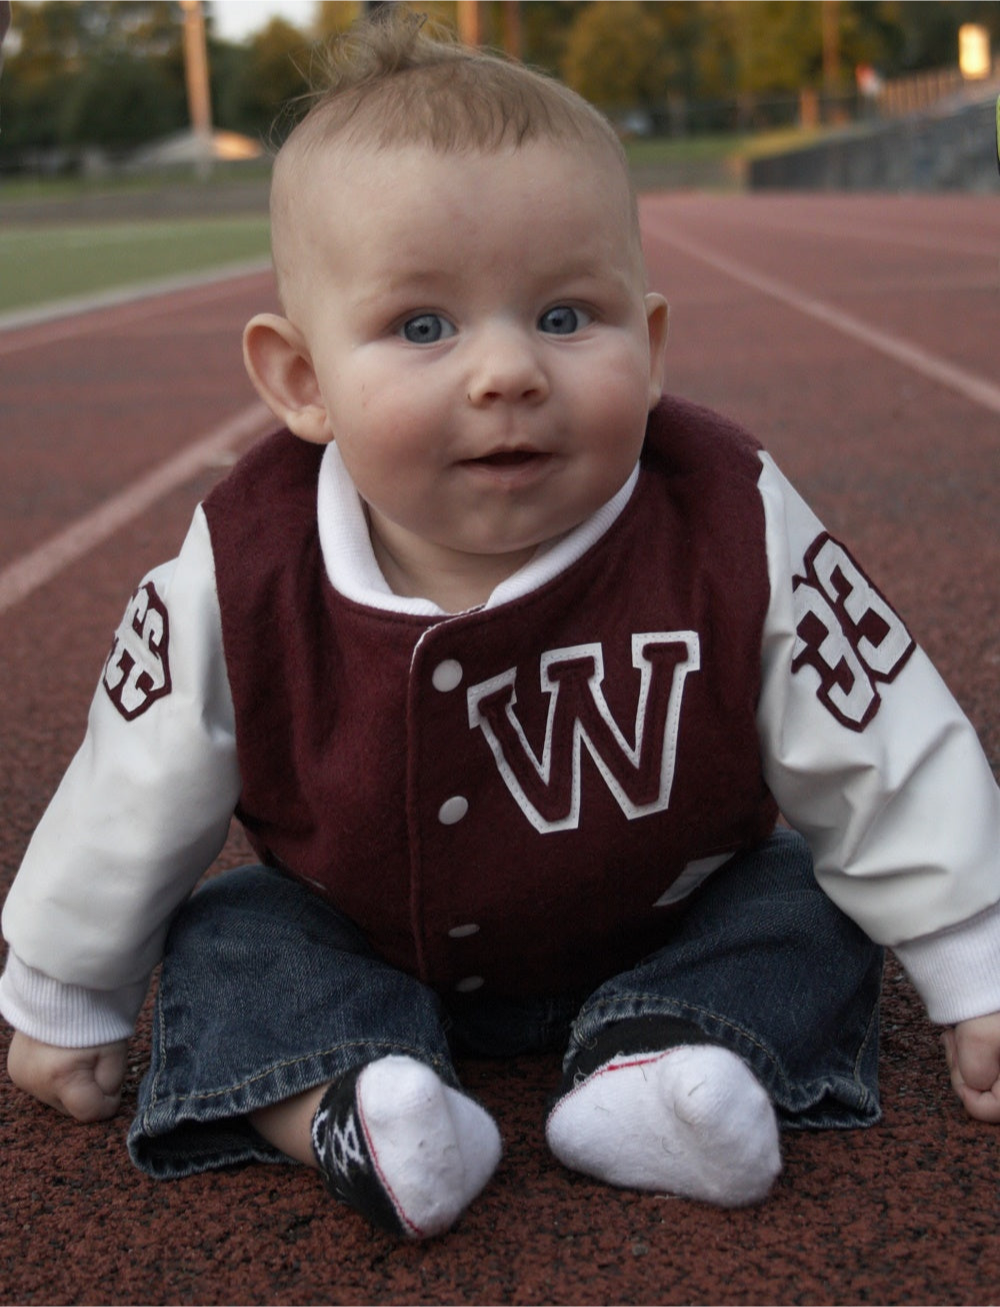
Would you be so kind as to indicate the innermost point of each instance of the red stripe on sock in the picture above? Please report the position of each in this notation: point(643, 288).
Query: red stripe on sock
point(418, 1233)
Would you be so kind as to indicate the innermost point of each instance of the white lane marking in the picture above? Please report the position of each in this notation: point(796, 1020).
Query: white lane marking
point(64, 319)
point(967, 384)
point(40, 565)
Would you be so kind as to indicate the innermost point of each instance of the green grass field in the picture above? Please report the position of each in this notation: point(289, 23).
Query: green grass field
point(44, 262)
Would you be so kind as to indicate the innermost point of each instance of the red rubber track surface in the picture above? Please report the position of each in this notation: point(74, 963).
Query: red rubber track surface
point(766, 295)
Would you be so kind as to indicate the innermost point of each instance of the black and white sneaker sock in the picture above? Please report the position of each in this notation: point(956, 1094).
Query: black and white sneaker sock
point(403, 1148)
point(691, 1120)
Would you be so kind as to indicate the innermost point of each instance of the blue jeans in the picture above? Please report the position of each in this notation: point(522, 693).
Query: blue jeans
point(266, 991)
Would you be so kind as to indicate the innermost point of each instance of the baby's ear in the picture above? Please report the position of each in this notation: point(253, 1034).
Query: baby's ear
point(280, 367)
point(657, 318)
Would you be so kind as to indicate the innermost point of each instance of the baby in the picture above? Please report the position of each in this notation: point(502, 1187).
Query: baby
point(506, 663)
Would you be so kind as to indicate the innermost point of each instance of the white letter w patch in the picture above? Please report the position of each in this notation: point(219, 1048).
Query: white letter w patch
point(639, 775)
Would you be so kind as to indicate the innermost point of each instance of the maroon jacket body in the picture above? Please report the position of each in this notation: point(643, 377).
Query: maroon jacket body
point(502, 797)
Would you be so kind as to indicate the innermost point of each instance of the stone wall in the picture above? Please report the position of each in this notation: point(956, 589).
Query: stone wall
point(953, 151)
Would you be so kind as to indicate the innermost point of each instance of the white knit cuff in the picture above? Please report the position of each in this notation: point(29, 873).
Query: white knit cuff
point(67, 1016)
point(957, 971)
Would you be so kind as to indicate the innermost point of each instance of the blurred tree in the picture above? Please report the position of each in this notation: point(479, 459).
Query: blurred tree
point(614, 55)
point(121, 100)
point(112, 70)
point(876, 26)
point(30, 115)
point(49, 34)
point(333, 17)
point(141, 28)
point(264, 92)
point(225, 65)
point(545, 31)
point(754, 49)
point(684, 28)
point(780, 45)
point(70, 57)
point(915, 34)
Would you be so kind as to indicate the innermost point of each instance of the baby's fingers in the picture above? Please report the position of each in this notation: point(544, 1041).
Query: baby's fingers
point(82, 1083)
point(975, 1076)
point(84, 1098)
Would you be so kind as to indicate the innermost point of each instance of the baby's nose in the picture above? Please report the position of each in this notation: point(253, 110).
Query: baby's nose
point(508, 368)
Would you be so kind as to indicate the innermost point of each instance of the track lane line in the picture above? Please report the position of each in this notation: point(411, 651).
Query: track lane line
point(965, 383)
point(59, 320)
point(38, 566)
point(63, 319)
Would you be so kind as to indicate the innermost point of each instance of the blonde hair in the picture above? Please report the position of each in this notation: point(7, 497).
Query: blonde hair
point(393, 81)
point(388, 83)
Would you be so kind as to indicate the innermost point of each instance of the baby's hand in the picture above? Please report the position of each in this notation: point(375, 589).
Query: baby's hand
point(84, 1083)
point(973, 1052)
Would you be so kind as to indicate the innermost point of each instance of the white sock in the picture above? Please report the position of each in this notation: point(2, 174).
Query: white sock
point(692, 1121)
point(428, 1148)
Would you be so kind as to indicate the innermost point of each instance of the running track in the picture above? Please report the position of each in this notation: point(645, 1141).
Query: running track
point(858, 338)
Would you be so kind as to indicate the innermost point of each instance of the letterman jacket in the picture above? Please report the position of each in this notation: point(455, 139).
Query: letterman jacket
point(517, 796)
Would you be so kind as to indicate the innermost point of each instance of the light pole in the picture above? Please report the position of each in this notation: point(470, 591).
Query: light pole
point(512, 27)
point(470, 22)
point(196, 75)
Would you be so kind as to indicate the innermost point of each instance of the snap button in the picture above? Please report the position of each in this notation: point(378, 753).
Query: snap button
point(453, 810)
point(469, 984)
point(463, 932)
point(447, 675)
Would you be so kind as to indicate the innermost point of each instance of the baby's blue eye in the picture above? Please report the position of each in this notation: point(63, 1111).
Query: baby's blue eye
point(426, 329)
point(563, 320)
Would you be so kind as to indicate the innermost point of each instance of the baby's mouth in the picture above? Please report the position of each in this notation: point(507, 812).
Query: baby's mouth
point(507, 458)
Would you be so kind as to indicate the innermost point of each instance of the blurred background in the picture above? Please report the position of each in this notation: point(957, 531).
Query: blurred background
point(97, 85)
point(115, 111)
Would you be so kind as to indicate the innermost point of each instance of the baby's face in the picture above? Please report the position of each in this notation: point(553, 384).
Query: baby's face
point(482, 343)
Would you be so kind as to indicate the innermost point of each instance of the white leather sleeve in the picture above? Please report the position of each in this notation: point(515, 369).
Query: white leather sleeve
point(869, 756)
point(141, 813)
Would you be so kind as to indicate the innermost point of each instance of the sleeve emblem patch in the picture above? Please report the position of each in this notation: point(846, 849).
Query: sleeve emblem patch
point(137, 671)
point(847, 632)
